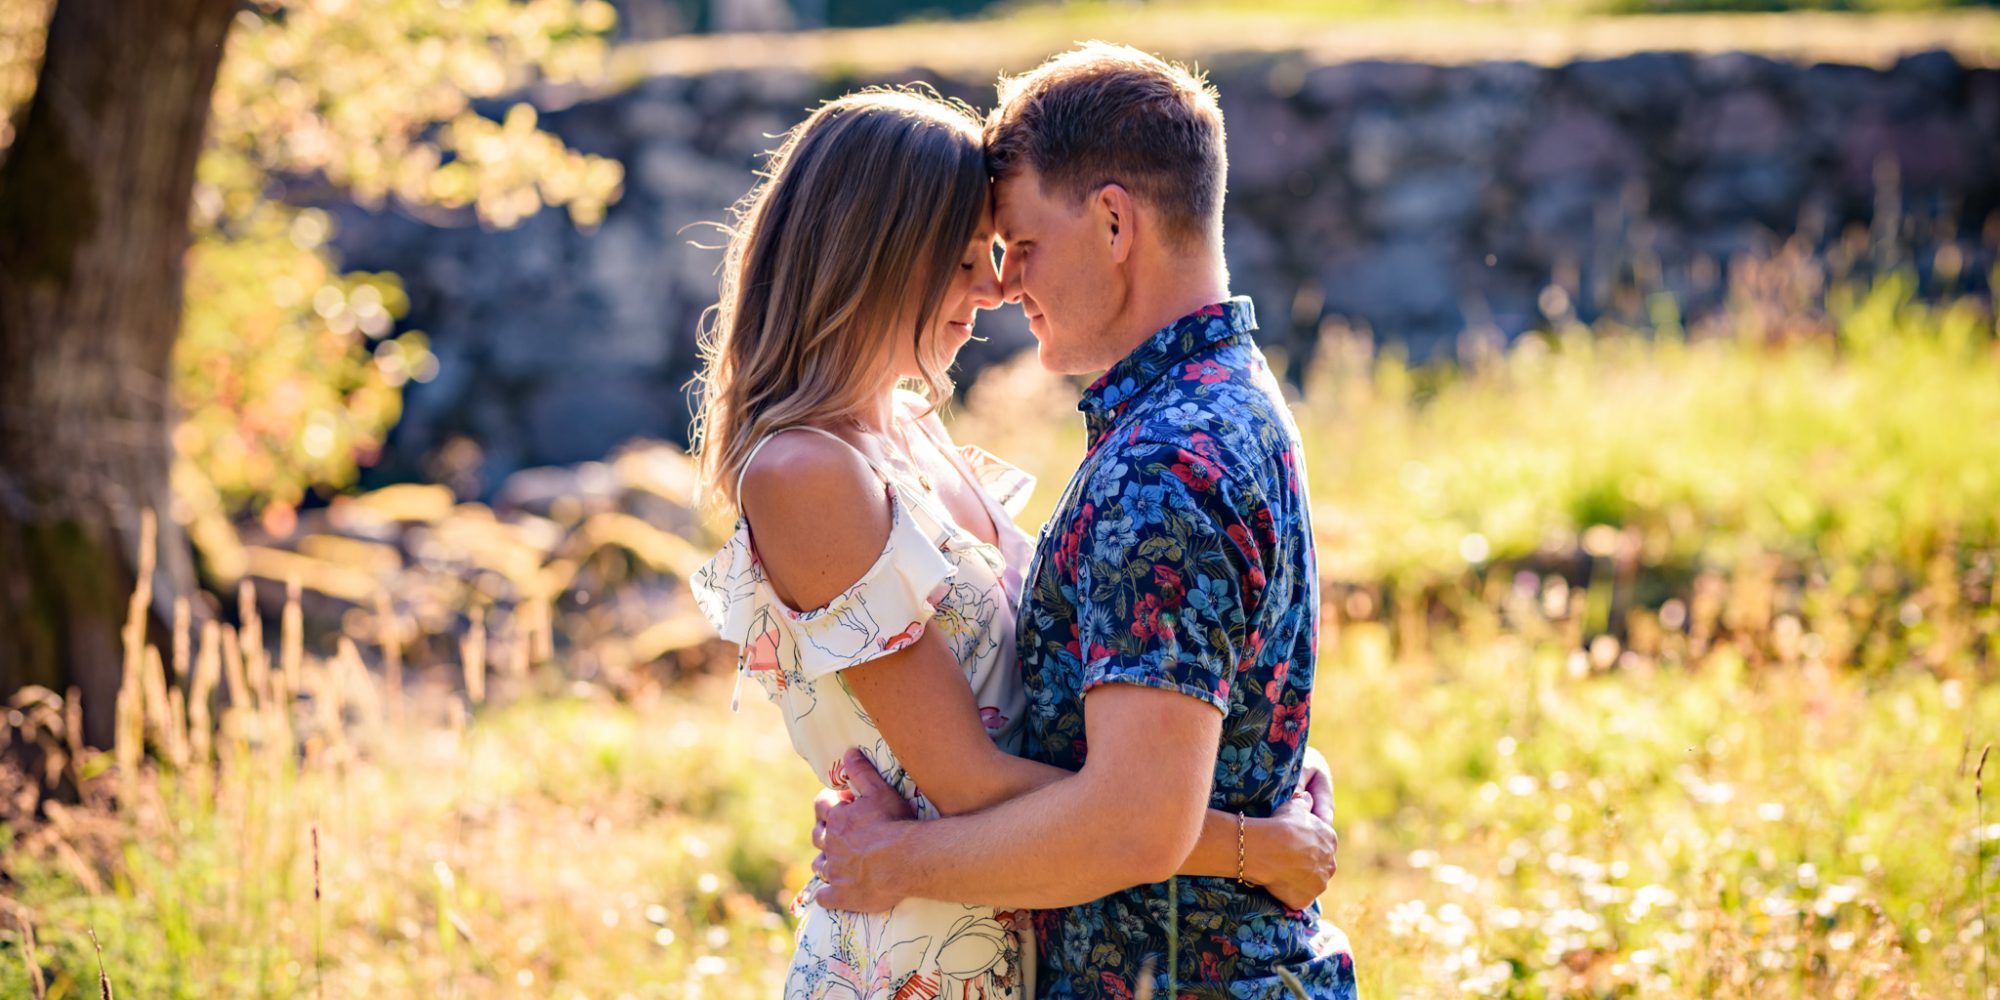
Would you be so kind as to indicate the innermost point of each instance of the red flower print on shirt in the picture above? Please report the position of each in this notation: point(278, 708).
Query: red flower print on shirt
point(1253, 584)
point(1276, 686)
point(1211, 967)
point(1288, 723)
point(1253, 649)
point(1206, 371)
point(1146, 616)
point(1072, 540)
point(1252, 553)
point(1199, 473)
point(1115, 986)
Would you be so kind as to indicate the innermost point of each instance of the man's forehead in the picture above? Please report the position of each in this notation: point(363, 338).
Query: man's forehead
point(1014, 200)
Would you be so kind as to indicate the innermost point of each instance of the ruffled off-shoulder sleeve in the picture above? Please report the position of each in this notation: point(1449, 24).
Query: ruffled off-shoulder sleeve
point(885, 610)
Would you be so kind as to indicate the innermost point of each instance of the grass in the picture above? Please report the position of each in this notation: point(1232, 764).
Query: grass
point(1651, 667)
point(1512, 826)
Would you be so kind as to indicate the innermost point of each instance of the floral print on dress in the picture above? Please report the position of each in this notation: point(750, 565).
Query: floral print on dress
point(1180, 557)
point(931, 575)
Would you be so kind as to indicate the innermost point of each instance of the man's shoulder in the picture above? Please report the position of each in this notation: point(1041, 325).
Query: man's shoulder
point(1242, 426)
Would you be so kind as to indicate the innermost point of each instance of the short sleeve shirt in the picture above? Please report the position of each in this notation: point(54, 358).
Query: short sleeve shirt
point(1181, 558)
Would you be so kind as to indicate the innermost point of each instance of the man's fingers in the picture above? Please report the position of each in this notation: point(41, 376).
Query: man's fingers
point(819, 865)
point(819, 834)
point(862, 778)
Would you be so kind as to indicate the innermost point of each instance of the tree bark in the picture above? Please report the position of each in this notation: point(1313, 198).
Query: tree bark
point(94, 205)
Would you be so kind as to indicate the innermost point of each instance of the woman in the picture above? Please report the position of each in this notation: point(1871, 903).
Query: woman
point(875, 601)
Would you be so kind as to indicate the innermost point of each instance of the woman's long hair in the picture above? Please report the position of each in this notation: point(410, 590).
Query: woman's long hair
point(871, 199)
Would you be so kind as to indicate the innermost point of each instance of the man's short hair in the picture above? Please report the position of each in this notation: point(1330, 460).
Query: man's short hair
point(1102, 114)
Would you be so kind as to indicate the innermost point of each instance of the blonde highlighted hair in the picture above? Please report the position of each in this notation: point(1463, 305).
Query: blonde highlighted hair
point(864, 208)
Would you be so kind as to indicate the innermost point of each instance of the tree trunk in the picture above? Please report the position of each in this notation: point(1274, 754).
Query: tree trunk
point(94, 203)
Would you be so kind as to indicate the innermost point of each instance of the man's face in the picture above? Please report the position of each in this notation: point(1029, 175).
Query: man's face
point(1058, 269)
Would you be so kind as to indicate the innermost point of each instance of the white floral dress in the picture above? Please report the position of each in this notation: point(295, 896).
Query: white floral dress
point(932, 574)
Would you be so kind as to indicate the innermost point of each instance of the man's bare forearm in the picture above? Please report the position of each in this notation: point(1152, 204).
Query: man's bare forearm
point(1064, 843)
point(1215, 854)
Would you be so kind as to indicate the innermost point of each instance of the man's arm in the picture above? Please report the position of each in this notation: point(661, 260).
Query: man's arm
point(919, 700)
point(1128, 818)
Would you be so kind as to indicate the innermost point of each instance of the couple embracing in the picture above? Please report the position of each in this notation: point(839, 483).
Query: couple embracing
point(1065, 767)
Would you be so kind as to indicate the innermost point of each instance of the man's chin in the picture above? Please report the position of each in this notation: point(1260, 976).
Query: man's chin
point(1056, 364)
point(1051, 362)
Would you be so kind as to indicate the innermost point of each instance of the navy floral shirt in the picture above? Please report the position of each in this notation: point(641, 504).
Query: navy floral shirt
point(1181, 558)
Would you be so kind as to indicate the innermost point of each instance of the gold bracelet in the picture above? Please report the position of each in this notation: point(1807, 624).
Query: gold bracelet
point(1239, 850)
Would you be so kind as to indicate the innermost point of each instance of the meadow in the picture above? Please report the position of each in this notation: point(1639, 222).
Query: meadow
point(1654, 665)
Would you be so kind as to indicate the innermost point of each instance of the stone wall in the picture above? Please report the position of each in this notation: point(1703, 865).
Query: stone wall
point(1420, 201)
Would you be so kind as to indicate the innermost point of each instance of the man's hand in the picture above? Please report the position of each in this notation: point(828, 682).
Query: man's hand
point(856, 834)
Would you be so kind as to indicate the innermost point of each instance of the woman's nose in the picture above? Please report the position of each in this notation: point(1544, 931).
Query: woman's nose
point(1010, 279)
point(986, 293)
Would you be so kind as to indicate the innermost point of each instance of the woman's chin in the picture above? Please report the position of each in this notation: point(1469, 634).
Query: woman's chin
point(952, 344)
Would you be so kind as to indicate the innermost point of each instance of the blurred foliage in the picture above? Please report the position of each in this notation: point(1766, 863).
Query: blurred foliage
point(1829, 445)
point(289, 372)
point(286, 369)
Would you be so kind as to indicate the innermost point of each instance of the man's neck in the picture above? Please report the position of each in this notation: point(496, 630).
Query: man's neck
point(1171, 294)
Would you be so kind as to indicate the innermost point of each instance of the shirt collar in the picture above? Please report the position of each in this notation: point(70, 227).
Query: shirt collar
point(1156, 356)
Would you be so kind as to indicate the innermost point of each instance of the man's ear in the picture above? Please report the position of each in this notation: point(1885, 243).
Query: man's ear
point(1117, 217)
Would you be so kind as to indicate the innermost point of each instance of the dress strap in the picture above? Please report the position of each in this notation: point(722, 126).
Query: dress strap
point(759, 446)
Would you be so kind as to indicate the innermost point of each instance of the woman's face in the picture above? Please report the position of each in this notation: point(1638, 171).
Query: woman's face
point(975, 285)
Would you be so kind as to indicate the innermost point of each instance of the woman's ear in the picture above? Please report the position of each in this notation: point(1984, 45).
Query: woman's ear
point(1117, 217)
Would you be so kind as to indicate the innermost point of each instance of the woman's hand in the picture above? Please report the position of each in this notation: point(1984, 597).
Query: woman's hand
point(1292, 854)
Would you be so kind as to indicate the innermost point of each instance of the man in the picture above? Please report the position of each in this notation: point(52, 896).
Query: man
point(1168, 629)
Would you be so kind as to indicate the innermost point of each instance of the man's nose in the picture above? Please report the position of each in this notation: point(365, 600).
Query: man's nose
point(1010, 279)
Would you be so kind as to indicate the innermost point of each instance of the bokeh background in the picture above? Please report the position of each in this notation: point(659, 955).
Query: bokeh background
point(1645, 356)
